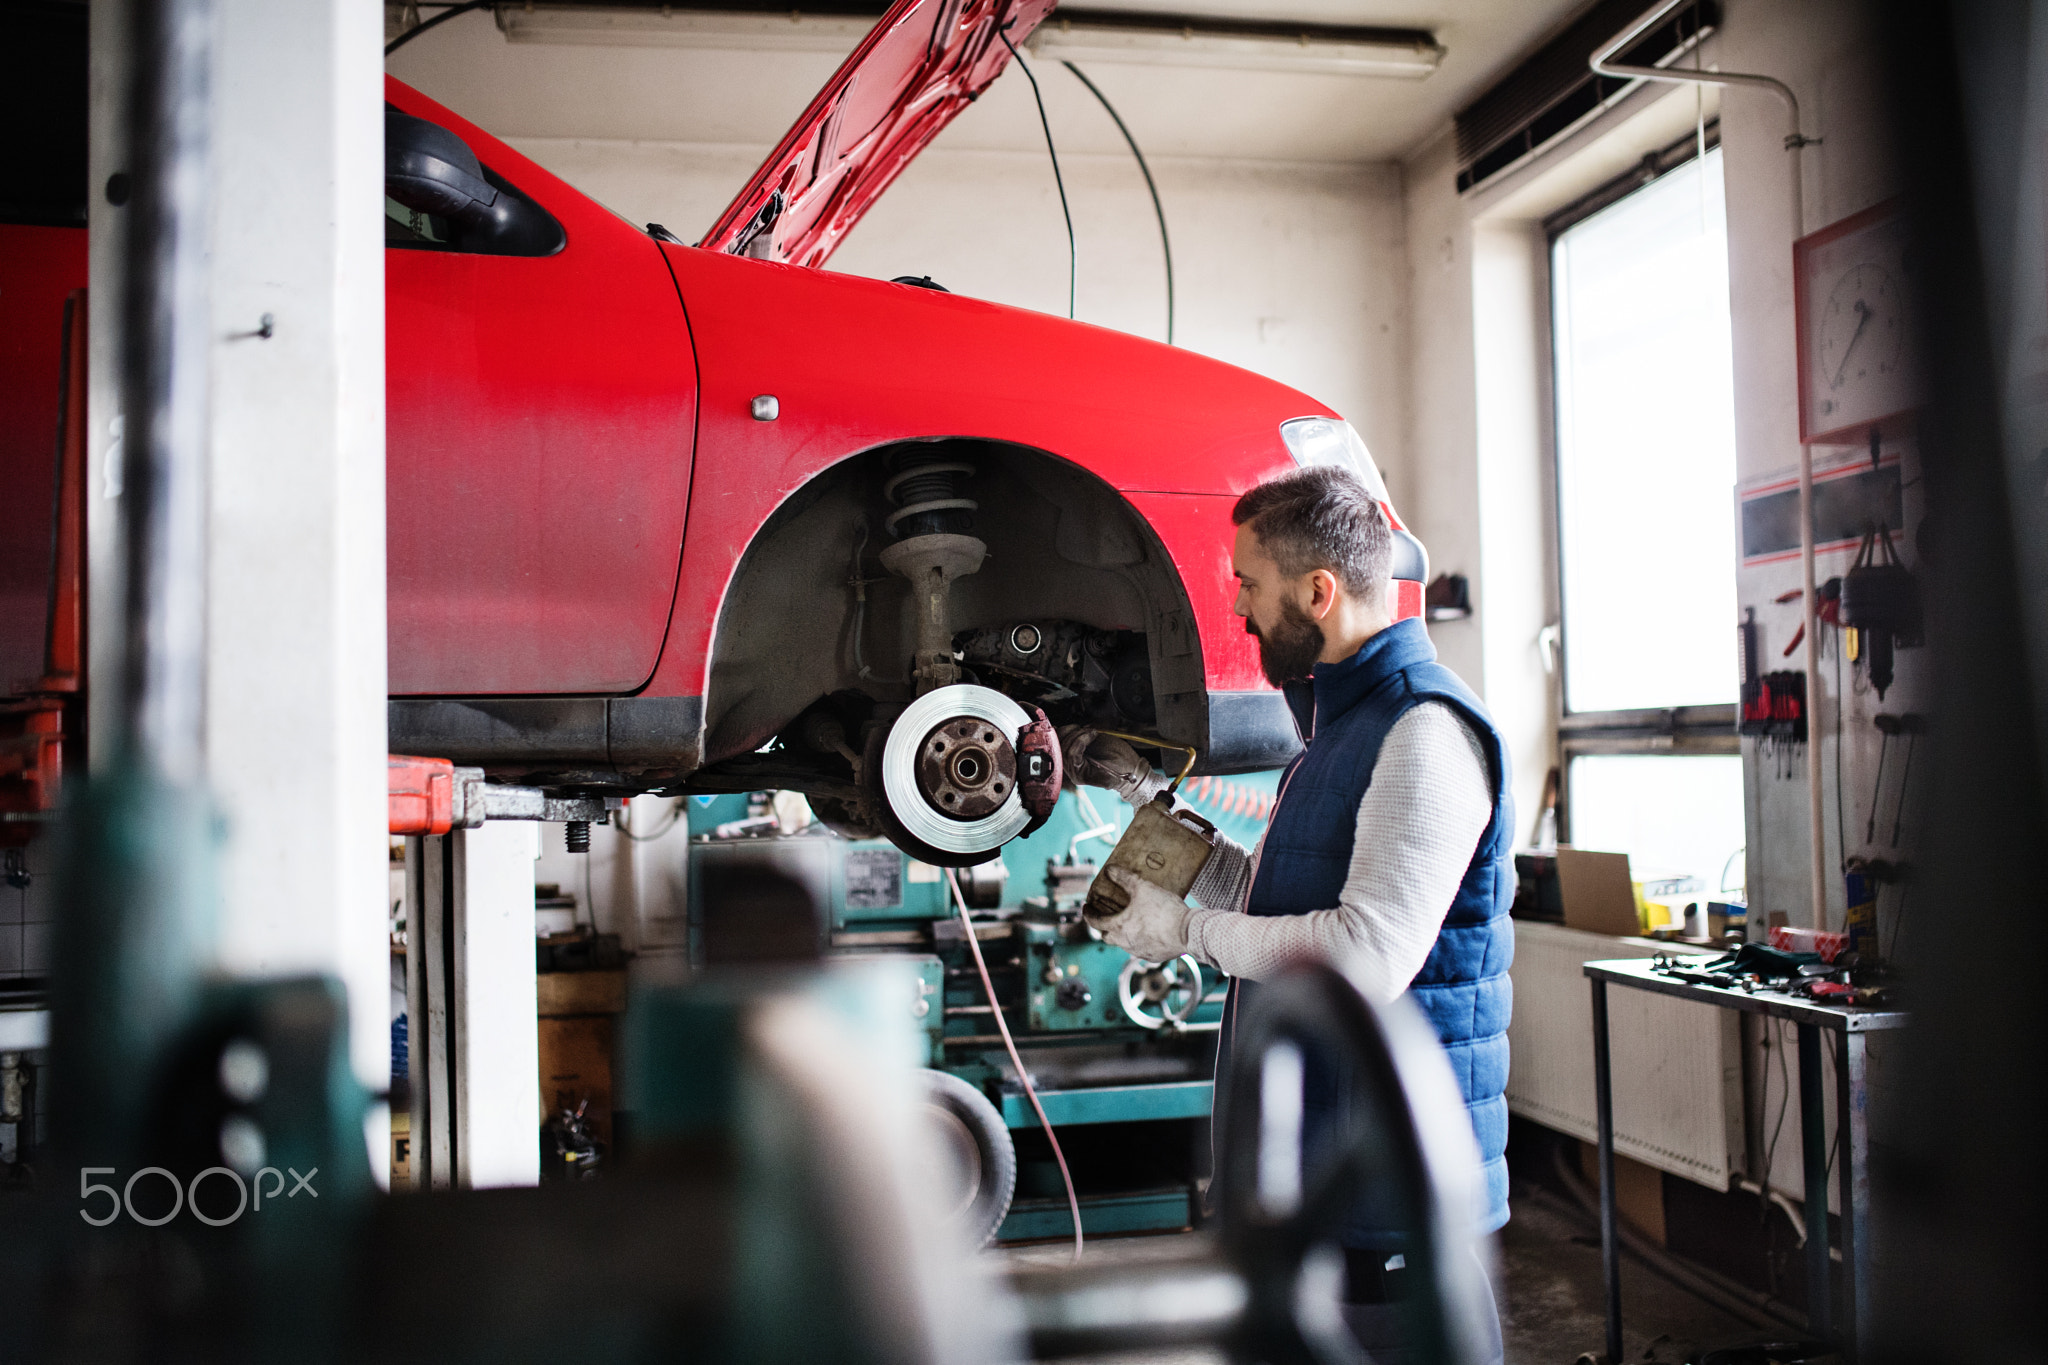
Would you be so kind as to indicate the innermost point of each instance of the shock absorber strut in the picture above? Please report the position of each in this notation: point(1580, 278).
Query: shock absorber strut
point(932, 519)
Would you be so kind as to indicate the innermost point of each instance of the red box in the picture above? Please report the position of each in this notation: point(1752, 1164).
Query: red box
point(1829, 943)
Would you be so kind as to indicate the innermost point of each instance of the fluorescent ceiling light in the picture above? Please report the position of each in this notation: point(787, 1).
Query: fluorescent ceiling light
point(668, 26)
point(1131, 38)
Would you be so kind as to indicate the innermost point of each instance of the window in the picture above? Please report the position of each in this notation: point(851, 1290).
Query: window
point(1646, 448)
point(1678, 817)
point(1646, 526)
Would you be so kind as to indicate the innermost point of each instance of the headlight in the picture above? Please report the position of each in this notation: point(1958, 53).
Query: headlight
point(1331, 440)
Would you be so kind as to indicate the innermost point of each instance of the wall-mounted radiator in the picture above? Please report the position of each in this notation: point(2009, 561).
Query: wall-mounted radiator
point(1677, 1065)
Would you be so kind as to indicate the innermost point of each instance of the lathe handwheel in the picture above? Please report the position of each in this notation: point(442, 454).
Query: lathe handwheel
point(1159, 995)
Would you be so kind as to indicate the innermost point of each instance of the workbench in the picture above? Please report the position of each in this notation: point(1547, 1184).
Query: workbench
point(1852, 1023)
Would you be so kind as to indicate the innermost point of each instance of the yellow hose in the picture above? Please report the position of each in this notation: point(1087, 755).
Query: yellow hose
point(1153, 741)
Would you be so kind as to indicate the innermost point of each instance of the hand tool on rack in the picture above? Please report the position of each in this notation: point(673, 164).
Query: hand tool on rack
point(1914, 725)
point(1887, 725)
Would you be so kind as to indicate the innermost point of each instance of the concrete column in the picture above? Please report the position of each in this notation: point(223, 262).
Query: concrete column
point(295, 623)
point(496, 1047)
point(295, 675)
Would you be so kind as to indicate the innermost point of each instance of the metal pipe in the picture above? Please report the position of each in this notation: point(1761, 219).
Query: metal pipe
point(1603, 1108)
point(1814, 1146)
point(165, 340)
point(1852, 1119)
point(1603, 64)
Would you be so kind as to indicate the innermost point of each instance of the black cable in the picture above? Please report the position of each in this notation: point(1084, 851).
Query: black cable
point(443, 17)
point(1898, 921)
point(1165, 244)
point(1073, 258)
point(1841, 830)
point(1828, 1177)
point(589, 896)
point(675, 815)
point(1777, 1043)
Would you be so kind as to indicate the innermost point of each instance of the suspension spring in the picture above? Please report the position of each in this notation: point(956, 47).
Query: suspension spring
point(925, 489)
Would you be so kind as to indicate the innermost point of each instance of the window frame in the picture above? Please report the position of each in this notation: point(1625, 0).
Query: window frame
point(1677, 730)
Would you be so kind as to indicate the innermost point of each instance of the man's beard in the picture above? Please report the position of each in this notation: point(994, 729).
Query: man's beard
point(1293, 646)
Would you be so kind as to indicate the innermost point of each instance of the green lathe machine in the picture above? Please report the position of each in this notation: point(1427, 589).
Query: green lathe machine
point(1110, 1041)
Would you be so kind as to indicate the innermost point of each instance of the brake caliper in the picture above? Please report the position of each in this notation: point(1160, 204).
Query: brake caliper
point(1038, 769)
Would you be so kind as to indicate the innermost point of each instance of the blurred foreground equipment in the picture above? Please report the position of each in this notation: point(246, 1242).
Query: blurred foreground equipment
point(777, 1203)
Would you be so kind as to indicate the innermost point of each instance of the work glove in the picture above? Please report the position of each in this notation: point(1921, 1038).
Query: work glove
point(1154, 926)
point(1092, 759)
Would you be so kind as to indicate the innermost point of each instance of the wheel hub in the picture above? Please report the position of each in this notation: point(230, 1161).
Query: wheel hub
point(966, 768)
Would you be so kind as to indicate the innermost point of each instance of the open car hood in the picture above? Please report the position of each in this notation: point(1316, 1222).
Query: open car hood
point(923, 62)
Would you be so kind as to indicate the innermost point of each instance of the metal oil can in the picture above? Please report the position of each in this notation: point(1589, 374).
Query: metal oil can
point(1166, 847)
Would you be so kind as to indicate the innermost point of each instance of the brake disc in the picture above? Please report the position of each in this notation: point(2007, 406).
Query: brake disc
point(949, 769)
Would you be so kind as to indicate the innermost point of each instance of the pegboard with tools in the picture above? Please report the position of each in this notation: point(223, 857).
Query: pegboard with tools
point(1872, 707)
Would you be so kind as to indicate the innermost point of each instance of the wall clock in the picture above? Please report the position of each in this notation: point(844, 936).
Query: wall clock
point(1858, 365)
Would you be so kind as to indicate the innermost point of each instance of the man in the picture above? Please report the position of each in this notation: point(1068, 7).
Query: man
point(1387, 854)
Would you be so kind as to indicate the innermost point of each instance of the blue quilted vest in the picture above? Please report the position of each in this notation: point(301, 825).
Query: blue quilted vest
point(1345, 714)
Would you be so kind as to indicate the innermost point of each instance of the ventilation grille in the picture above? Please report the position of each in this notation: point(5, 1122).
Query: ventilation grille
point(1677, 1064)
point(1555, 90)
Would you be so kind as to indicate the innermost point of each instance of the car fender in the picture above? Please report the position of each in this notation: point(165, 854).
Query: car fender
point(853, 364)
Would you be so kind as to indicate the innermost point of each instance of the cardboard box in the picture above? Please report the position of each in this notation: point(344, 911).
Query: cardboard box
point(576, 1068)
point(564, 993)
point(1598, 894)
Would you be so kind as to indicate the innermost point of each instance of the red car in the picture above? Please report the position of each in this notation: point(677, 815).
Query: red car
point(712, 518)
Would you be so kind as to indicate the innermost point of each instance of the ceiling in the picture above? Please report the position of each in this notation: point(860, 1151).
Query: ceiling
point(643, 92)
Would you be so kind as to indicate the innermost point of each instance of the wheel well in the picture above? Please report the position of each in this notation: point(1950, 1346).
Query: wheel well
point(1062, 543)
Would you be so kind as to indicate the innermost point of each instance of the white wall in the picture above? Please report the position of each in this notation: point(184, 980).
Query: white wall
point(1822, 49)
point(1440, 477)
point(1479, 439)
point(1482, 494)
point(1825, 52)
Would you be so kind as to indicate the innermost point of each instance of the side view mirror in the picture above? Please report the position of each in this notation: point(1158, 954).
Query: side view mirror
point(432, 171)
point(429, 169)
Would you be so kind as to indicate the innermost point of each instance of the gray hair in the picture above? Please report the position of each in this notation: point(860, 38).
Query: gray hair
point(1321, 517)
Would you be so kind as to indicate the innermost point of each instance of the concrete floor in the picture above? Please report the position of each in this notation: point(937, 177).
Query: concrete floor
point(1548, 1285)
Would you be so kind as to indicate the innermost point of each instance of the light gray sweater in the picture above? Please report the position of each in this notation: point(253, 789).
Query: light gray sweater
point(1420, 820)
